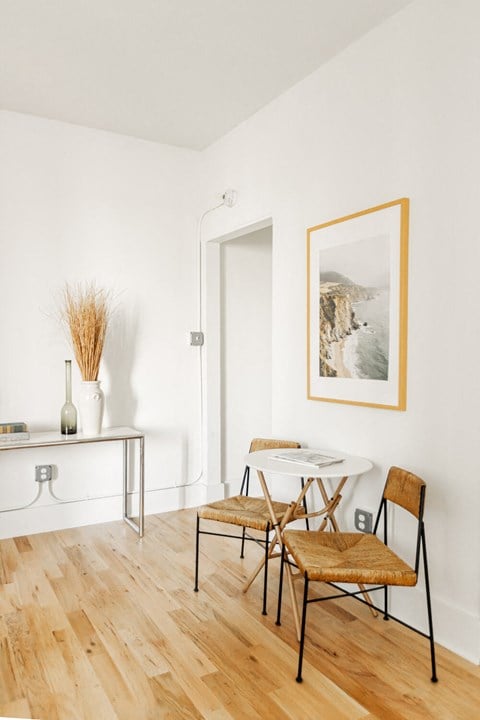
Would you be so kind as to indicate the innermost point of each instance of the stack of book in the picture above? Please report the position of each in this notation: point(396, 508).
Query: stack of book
point(13, 432)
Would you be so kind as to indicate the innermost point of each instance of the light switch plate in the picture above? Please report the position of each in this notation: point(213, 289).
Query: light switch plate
point(197, 338)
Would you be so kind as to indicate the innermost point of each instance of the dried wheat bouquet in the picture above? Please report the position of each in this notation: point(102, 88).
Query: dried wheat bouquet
point(86, 313)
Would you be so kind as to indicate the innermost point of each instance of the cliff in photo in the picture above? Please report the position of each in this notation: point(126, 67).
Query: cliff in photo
point(337, 321)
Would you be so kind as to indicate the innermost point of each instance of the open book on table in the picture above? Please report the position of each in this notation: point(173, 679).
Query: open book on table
point(307, 457)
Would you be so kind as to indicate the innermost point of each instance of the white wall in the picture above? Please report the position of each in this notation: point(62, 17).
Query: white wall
point(397, 114)
point(78, 204)
point(246, 329)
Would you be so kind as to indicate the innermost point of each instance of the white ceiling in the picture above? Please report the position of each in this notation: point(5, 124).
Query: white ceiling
point(182, 72)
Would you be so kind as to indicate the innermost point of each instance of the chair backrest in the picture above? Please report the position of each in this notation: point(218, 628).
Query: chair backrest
point(266, 444)
point(408, 491)
point(405, 489)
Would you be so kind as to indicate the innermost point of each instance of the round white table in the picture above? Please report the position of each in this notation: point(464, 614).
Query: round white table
point(344, 467)
point(351, 464)
point(264, 461)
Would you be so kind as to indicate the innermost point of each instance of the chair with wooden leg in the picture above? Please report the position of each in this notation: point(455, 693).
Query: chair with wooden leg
point(246, 512)
point(360, 558)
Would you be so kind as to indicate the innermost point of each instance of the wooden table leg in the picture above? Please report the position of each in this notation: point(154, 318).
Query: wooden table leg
point(277, 528)
point(331, 503)
point(261, 563)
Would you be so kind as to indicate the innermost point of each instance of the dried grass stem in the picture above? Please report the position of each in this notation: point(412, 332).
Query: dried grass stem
point(86, 312)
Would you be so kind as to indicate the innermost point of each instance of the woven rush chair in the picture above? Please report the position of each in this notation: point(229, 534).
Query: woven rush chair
point(360, 558)
point(246, 512)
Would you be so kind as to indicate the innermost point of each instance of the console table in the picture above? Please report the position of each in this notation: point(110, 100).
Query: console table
point(115, 434)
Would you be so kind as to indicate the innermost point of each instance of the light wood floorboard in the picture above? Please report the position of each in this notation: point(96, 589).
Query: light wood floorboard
point(97, 625)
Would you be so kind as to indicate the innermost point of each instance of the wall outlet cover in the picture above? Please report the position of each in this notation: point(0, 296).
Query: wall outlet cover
point(196, 338)
point(363, 520)
point(43, 473)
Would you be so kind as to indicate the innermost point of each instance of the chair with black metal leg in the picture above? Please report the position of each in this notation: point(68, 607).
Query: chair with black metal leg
point(246, 512)
point(361, 558)
point(266, 444)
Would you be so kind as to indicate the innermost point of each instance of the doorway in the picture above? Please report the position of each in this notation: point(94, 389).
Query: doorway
point(245, 348)
point(238, 352)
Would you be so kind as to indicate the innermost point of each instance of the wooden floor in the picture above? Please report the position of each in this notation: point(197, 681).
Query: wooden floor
point(96, 625)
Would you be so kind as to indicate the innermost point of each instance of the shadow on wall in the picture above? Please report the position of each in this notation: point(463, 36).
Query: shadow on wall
point(119, 359)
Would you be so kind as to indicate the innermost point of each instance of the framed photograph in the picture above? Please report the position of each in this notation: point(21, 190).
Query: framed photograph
point(357, 296)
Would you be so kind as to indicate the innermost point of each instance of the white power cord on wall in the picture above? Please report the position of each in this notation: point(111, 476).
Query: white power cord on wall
point(229, 198)
point(28, 505)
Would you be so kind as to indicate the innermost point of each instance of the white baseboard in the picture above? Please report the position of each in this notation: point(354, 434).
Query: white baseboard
point(454, 628)
point(457, 630)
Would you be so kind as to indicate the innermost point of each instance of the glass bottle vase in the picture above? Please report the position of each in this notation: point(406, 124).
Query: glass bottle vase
point(68, 416)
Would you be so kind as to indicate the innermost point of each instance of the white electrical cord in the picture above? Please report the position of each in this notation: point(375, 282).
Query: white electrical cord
point(200, 356)
point(64, 501)
point(200, 264)
point(87, 498)
point(24, 507)
point(229, 199)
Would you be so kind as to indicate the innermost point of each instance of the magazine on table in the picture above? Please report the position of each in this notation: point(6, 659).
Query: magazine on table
point(307, 457)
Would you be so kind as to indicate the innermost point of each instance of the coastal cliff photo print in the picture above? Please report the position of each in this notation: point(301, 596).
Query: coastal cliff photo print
point(354, 309)
point(357, 307)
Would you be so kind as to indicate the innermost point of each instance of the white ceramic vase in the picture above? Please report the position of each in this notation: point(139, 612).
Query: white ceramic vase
point(91, 404)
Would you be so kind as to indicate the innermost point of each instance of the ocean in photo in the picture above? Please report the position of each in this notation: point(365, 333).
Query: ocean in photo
point(366, 355)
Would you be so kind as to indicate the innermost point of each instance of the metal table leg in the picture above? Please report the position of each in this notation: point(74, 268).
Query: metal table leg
point(137, 527)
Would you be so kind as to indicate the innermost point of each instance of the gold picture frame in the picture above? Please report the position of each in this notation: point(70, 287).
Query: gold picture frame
point(357, 308)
